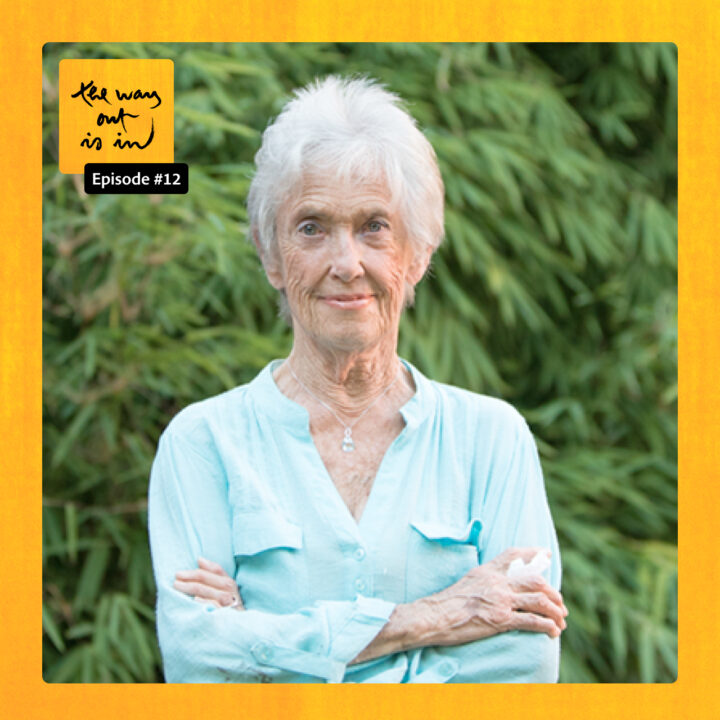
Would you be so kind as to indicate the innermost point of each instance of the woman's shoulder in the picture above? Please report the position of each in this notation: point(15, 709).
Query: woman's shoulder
point(226, 418)
point(208, 412)
point(454, 401)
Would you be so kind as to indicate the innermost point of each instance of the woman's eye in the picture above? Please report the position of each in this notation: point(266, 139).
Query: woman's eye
point(375, 226)
point(309, 229)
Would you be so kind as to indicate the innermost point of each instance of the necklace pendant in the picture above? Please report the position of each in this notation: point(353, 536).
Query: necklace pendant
point(347, 444)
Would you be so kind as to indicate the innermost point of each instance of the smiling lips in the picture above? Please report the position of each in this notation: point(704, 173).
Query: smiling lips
point(348, 302)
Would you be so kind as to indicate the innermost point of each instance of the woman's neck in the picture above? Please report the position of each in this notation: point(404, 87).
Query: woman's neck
point(345, 380)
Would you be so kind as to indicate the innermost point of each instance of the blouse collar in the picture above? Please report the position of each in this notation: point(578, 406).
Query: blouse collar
point(269, 401)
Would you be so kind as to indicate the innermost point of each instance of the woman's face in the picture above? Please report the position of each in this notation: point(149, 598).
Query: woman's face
point(343, 260)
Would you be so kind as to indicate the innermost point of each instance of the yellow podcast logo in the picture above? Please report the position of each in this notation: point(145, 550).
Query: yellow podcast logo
point(115, 111)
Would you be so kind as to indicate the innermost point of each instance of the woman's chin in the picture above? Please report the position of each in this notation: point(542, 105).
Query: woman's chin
point(341, 328)
point(348, 334)
point(349, 341)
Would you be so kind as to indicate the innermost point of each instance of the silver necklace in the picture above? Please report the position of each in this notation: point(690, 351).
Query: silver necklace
point(348, 445)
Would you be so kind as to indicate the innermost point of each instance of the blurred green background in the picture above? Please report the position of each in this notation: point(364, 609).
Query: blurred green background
point(556, 289)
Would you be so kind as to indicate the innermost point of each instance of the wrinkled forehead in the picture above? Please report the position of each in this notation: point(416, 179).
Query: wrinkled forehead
point(327, 192)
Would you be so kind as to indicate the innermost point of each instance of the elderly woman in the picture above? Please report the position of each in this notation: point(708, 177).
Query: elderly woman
point(343, 518)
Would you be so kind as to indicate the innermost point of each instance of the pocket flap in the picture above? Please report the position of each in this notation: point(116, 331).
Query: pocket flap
point(449, 534)
point(254, 532)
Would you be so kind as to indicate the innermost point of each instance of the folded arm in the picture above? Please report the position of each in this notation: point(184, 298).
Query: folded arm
point(483, 603)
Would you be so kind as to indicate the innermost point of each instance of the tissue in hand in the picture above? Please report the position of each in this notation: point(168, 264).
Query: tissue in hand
point(539, 563)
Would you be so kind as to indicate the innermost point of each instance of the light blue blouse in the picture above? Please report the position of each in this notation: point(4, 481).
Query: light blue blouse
point(237, 479)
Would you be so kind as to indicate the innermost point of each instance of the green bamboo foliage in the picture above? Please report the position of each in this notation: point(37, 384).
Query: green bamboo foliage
point(555, 288)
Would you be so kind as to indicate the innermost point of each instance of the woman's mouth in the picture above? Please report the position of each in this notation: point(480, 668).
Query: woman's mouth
point(347, 302)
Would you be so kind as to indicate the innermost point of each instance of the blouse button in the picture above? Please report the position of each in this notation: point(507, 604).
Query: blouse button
point(359, 584)
point(359, 554)
point(447, 668)
point(262, 652)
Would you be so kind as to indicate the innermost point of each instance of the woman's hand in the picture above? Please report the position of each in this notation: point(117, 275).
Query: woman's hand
point(209, 584)
point(484, 602)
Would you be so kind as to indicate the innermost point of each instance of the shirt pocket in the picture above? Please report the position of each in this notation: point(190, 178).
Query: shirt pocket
point(269, 560)
point(439, 554)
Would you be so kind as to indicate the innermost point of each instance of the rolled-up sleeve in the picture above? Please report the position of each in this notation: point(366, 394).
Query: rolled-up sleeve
point(190, 517)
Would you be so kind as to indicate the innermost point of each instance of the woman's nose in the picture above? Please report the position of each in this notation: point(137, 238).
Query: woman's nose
point(346, 256)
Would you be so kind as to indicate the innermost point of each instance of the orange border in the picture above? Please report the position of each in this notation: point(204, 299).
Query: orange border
point(29, 24)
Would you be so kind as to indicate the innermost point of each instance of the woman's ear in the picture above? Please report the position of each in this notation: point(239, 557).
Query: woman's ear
point(270, 261)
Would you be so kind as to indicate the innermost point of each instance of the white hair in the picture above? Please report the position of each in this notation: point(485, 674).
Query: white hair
point(353, 129)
